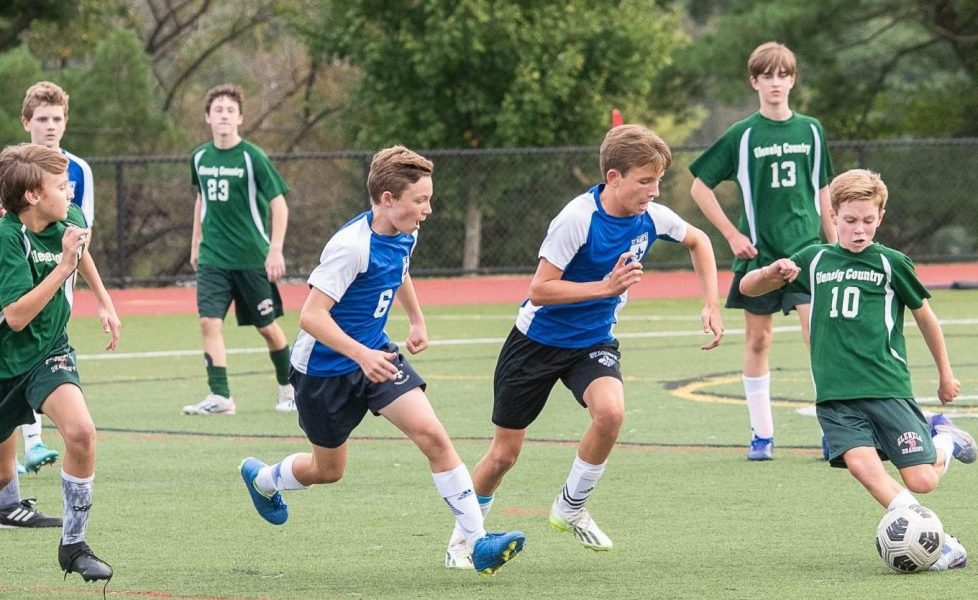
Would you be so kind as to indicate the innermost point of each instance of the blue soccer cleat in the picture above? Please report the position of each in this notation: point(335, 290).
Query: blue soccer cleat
point(965, 449)
point(496, 549)
point(21, 469)
point(271, 508)
point(761, 449)
point(38, 456)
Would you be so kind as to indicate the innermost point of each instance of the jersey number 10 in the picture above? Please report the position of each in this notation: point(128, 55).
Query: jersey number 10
point(850, 303)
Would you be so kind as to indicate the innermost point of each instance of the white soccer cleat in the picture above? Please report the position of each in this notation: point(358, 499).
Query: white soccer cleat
point(213, 404)
point(953, 555)
point(585, 529)
point(286, 399)
point(457, 556)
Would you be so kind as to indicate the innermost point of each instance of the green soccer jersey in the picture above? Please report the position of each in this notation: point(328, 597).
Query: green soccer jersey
point(236, 185)
point(779, 167)
point(858, 300)
point(26, 258)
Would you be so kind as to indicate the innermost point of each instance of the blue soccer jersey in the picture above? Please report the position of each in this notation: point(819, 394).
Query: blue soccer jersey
point(361, 270)
point(585, 242)
point(81, 186)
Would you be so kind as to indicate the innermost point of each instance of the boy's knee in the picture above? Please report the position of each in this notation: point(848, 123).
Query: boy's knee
point(923, 482)
point(80, 437)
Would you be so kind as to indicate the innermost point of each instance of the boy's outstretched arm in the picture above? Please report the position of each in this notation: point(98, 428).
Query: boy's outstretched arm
point(106, 309)
point(767, 279)
point(548, 288)
point(948, 387)
point(705, 265)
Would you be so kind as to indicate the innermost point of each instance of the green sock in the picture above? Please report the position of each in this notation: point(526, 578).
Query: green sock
point(280, 358)
point(217, 381)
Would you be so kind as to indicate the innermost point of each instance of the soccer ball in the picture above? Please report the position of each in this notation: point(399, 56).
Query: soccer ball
point(910, 538)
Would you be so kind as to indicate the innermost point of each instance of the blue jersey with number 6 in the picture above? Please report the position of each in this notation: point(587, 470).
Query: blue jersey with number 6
point(361, 270)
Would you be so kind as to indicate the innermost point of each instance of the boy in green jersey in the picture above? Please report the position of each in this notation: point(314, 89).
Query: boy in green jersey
point(780, 162)
point(236, 255)
point(41, 246)
point(863, 395)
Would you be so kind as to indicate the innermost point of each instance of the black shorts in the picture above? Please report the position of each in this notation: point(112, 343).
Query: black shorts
point(767, 304)
point(256, 299)
point(526, 372)
point(330, 408)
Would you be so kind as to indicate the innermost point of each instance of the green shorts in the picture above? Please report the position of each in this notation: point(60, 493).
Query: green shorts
point(256, 299)
point(21, 395)
point(894, 426)
point(767, 304)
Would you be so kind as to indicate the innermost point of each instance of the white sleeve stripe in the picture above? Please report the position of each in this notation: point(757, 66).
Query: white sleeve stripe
point(203, 201)
point(817, 167)
point(743, 179)
point(253, 198)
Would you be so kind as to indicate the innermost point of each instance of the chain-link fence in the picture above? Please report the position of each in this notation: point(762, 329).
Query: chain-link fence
point(492, 207)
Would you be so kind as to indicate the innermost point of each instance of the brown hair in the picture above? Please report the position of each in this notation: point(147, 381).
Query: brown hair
point(225, 89)
point(393, 169)
point(628, 146)
point(858, 184)
point(771, 57)
point(43, 92)
point(22, 169)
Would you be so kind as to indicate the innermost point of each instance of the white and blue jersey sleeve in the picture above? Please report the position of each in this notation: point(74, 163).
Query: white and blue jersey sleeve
point(585, 242)
point(81, 186)
point(362, 271)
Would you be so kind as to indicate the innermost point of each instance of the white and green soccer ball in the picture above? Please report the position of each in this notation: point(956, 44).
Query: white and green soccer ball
point(909, 539)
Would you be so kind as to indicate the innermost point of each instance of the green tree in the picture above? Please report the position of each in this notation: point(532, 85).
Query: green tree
point(868, 68)
point(19, 16)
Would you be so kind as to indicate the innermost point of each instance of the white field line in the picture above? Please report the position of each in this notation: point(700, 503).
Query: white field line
point(465, 342)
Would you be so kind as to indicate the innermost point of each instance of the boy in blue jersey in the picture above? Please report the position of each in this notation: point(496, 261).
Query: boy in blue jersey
point(344, 364)
point(42, 242)
point(44, 115)
point(591, 255)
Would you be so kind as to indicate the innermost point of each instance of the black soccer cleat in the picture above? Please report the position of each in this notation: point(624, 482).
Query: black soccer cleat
point(79, 558)
point(25, 515)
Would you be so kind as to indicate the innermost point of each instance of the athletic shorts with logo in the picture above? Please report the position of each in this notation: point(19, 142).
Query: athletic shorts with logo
point(330, 408)
point(20, 396)
point(894, 426)
point(256, 299)
point(527, 371)
point(765, 304)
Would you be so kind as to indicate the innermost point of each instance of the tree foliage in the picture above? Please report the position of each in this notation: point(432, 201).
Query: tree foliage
point(867, 68)
point(494, 73)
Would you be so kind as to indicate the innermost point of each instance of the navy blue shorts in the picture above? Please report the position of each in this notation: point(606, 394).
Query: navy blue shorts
point(330, 408)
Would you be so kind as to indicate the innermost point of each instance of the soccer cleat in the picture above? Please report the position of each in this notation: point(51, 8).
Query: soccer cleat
point(38, 456)
point(286, 399)
point(494, 550)
point(457, 556)
point(25, 515)
point(213, 404)
point(585, 529)
point(21, 469)
point(761, 449)
point(271, 508)
point(965, 449)
point(953, 555)
point(79, 558)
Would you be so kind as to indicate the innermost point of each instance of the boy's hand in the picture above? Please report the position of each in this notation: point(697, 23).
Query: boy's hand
point(111, 325)
point(378, 365)
point(712, 323)
point(417, 340)
point(783, 269)
point(274, 264)
point(741, 246)
point(72, 245)
point(194, 253)
point(626, 273)
point(948, 389)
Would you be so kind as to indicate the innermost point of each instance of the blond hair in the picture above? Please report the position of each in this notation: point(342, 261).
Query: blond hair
point(771, 57)
point(628, 146)
point(22, 169)
point(43, 92)
point(858, 184)
point(225, 89)
point(393, 169)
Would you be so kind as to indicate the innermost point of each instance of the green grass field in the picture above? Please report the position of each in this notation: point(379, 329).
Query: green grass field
point(690, 517)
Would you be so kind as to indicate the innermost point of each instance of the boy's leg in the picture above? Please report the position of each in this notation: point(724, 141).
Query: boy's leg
point(757, 383)
point(219, 400)
point(278, 352)
point(36, 454)
point(865, 465)
point(412, 414)
point(66, 408)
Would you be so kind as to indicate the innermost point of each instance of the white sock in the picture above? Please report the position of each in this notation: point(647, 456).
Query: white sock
point(904, 498)
point(944, 441)
point(579, 485)
point(32, 433)
point(279, 476)
point(485, 505)
point(757, 390)
point(455, 487)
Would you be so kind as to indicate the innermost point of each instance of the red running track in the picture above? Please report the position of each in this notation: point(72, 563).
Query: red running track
point(470, 290)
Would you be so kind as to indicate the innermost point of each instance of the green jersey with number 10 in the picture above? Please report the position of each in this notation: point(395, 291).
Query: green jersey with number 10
point(858, 301)
point(779, 167)
point(236, 185)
